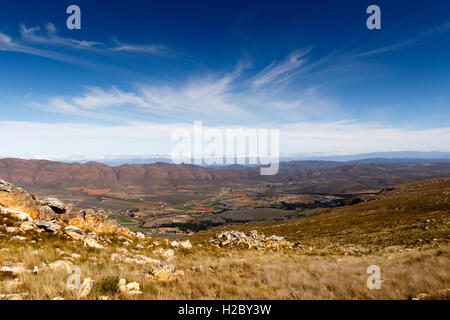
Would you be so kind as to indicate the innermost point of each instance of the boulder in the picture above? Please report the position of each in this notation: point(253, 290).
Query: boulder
point(27, 226)
point(92, 243)
point(140, 235)
point(55, 204)
point(59, 265)
point(86, 288)
point(186, 244)
point(162, 272)
point(13, 296)
point(5, 186)
point(14, 269)
point(275, 238)
point(75, 232)
point(17, 238)
point(169, 253)
point(12, 229)
point(47, 225)
point(140, 259)
point(132, 288)
point(19, 215)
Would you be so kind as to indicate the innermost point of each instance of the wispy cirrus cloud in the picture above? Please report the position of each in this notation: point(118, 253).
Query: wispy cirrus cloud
point(229, 96)
point(35, 41)
point(96, 98)
point(156, 49)
point(34, 35)
point(12, 45)
point(404, 44)
point(283, 71)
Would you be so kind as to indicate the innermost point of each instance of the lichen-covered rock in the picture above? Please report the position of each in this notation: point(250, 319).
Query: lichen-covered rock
point(15, 198)
point(162, 272)
point(94, 221)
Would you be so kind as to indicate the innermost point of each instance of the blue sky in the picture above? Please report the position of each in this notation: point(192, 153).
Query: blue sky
point(137, 70)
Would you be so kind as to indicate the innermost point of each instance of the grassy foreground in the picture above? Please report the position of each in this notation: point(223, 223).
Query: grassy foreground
point(405, 232)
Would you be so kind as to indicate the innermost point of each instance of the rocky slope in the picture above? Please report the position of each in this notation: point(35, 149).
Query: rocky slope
point(405, 231)
point(51, 214)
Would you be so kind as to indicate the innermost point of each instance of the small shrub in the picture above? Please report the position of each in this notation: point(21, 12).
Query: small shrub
point(108, 285)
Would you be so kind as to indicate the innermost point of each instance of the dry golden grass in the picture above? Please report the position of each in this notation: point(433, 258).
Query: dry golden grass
point(405, 233)
point(240, 274)
point(411, 215)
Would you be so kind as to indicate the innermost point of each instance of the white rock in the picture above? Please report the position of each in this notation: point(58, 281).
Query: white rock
point(86, 287)
point(59, 265)
point(12, 229)
point(14, 268)
point(140, 259)
point(27, 226)
point(140, 235)
point(13, 296)
point(20, 215)
point(75, 235)
point(18, 238)
point(186, 244)
point(92, 243)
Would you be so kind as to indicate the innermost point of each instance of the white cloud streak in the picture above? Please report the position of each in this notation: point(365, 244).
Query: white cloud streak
point(9, 44)
point(51, 38)
point(281, 72)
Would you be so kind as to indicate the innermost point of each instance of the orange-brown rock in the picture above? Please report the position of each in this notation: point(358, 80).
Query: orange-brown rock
point(98, 224)
point(18, 199)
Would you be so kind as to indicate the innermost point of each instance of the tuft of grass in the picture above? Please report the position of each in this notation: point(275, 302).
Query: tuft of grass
point(108, 286)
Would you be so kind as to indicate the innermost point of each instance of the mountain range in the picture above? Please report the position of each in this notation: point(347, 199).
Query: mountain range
point(305, 176)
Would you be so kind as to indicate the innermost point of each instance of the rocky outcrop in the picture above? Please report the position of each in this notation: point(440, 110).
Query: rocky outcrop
point(95, 221)
point(51, 215)
point(183, 244)
point(249, 240)
point(164, 272)
point(18, 199)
